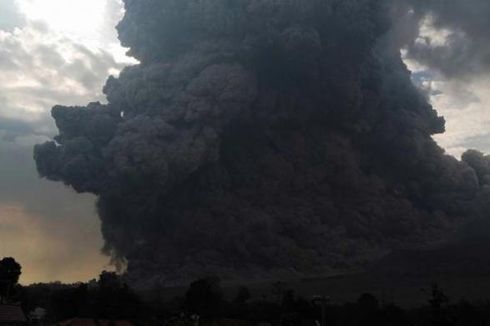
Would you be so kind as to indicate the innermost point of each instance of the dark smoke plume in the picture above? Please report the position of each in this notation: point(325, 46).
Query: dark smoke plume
point(259, 138)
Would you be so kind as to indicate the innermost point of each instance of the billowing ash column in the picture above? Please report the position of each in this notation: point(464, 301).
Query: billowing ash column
point(260, 138)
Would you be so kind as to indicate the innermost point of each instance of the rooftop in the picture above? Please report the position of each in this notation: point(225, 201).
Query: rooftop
point(93, 322)
point(11, 314)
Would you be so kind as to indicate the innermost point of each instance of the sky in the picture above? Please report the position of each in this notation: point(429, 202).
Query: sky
point(51, 51)
point(61, 52)
point(464, 101)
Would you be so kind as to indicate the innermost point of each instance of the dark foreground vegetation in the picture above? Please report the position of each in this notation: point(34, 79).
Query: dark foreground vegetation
point(206, 302)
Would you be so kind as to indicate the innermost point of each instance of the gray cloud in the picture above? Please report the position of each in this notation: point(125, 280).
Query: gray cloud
point(39, 71)
point(45, 225)
point(12, 128)
point(480, 142)
point(10, 16)
point(462, 48)
point(448, 42)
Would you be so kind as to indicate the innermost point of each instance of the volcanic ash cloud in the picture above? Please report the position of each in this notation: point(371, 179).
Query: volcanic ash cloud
point(261, 138)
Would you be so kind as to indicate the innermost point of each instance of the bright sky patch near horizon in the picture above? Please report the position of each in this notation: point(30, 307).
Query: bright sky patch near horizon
point(61, 52)
point(51, 52)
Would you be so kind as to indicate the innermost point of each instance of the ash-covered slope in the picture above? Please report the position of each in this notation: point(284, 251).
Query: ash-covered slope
point(261, 137)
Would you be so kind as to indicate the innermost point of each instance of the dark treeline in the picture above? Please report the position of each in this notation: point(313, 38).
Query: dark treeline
point(106, 298)
point(205, 302)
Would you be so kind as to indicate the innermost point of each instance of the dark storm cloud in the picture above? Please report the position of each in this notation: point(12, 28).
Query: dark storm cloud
point(260, 137)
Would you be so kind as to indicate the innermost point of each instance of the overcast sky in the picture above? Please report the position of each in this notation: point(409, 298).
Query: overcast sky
point(464, 101)
point(51, 51)
point(61, 52)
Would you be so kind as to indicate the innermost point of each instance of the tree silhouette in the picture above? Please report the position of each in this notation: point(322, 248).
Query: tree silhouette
point(242, 296)
point(437, 302)
point(205, 298)
point(10, 271)
point(114, 298)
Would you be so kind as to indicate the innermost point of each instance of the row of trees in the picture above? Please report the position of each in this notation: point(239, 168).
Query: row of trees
point(109, 297)
point(204, 298)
